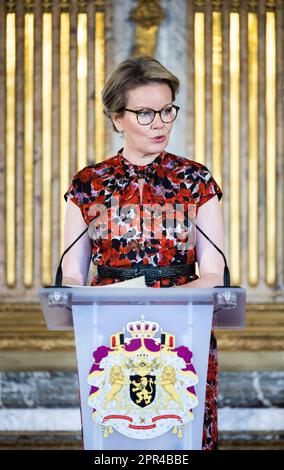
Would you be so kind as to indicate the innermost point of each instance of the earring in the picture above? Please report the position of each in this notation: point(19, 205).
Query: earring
point(120, 133)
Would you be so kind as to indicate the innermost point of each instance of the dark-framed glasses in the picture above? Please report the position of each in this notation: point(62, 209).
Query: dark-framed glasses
point(146, 116)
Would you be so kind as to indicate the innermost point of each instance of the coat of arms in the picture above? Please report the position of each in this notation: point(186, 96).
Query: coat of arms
point(142, 385)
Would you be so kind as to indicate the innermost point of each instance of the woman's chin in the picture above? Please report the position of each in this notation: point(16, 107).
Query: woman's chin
point(158, 146)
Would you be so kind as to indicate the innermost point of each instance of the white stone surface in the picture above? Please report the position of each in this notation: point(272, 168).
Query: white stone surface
point(251, 419)
point(40, 419)
point(236, 419)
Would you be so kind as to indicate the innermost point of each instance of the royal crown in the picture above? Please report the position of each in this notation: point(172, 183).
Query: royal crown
point(142, 328)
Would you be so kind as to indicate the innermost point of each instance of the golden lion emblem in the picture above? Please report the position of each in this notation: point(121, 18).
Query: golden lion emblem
point(168, 381)
point(141, 391)
point(117, 381)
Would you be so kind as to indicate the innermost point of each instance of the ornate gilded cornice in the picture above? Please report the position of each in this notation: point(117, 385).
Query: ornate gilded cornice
point(29, 6)
point(71, 440)
point(33, 440)
point(10, 6)
point(148, 13)
point(22, 328)
point(46, 5)
point(234, 5)
point(65, 5)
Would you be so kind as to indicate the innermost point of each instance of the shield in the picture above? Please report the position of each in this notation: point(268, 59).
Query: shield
point(142, 389)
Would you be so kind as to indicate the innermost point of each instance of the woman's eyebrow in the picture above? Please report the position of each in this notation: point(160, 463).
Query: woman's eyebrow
point(147, 107)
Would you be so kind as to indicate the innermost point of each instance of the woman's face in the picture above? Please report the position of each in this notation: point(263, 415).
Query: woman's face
point(139, 139)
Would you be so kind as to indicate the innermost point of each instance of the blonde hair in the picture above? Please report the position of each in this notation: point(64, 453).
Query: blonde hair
point(129, 74)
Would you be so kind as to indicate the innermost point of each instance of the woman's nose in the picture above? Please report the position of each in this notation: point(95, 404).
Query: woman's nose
point(158, 121)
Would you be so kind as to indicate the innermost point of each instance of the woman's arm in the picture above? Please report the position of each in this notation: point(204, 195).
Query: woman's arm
point(76, 262)
point(210, 261)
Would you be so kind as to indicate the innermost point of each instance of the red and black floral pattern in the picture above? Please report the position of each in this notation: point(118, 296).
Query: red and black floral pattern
point(169, 179)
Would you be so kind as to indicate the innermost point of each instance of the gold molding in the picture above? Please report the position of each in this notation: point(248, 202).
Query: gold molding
point(147, 15)
point(48, 440)
point(64, 440)
point(199, 5)
point(250, 341)
point(22, 328)
point(46, 5)
point(234, 5)
point(264, 330)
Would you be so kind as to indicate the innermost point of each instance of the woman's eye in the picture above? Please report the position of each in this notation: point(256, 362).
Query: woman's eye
point(167, 110)
point(145, 113)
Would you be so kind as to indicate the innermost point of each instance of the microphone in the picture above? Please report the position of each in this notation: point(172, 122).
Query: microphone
point(58, 277)
point(226, 276)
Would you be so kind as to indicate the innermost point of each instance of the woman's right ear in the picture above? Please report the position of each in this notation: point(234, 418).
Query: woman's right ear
point(116, 121)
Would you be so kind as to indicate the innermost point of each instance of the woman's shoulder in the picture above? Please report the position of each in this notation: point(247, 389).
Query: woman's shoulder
point(95, 170)
point(186, 163)
point(197, 177)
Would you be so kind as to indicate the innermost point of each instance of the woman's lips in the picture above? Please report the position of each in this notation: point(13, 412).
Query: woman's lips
point(159, 139)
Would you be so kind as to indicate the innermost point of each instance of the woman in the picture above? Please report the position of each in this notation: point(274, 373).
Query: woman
point(138, 99)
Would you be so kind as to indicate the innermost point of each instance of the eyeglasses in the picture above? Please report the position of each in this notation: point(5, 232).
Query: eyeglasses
point(147, 115)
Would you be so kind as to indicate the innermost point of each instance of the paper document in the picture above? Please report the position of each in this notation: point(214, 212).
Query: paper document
point(135, 282)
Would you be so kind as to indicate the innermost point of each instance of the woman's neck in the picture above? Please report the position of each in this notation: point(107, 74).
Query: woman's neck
point(136, 159)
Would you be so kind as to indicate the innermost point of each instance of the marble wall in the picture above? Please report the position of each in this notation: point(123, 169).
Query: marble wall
point(224, 85)
point(37, 407)
point(45, 402)
point(170, 51)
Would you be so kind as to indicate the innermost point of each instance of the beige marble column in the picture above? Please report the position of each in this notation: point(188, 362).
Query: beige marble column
point(244, 137)
point(19, 170)
point(2, 140)
point(91, 80)
point(55, 186)
point(261, 140)
point(73, 11)
point(37, 141)
point(280, 143)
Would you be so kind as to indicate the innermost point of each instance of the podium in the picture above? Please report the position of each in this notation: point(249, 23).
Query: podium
point(142, 356)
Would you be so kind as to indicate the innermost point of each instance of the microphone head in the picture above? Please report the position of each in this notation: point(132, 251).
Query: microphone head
point(227, 280)
point(58, 277)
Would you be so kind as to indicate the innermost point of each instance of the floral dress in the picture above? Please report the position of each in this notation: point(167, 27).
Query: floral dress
point(169, 180)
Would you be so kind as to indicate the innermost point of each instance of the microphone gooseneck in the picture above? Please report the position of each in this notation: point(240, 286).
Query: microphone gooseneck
point(58, 277)
point(226, 276)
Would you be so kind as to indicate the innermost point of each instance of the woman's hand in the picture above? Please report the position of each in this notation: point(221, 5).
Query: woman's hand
point(208, 280)
point(210, 261)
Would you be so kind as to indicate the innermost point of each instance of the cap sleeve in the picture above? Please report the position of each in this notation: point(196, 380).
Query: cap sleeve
point(208, 187)
point(80, 191)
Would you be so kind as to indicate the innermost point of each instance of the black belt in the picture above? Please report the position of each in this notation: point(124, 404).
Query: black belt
point(151, 273)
